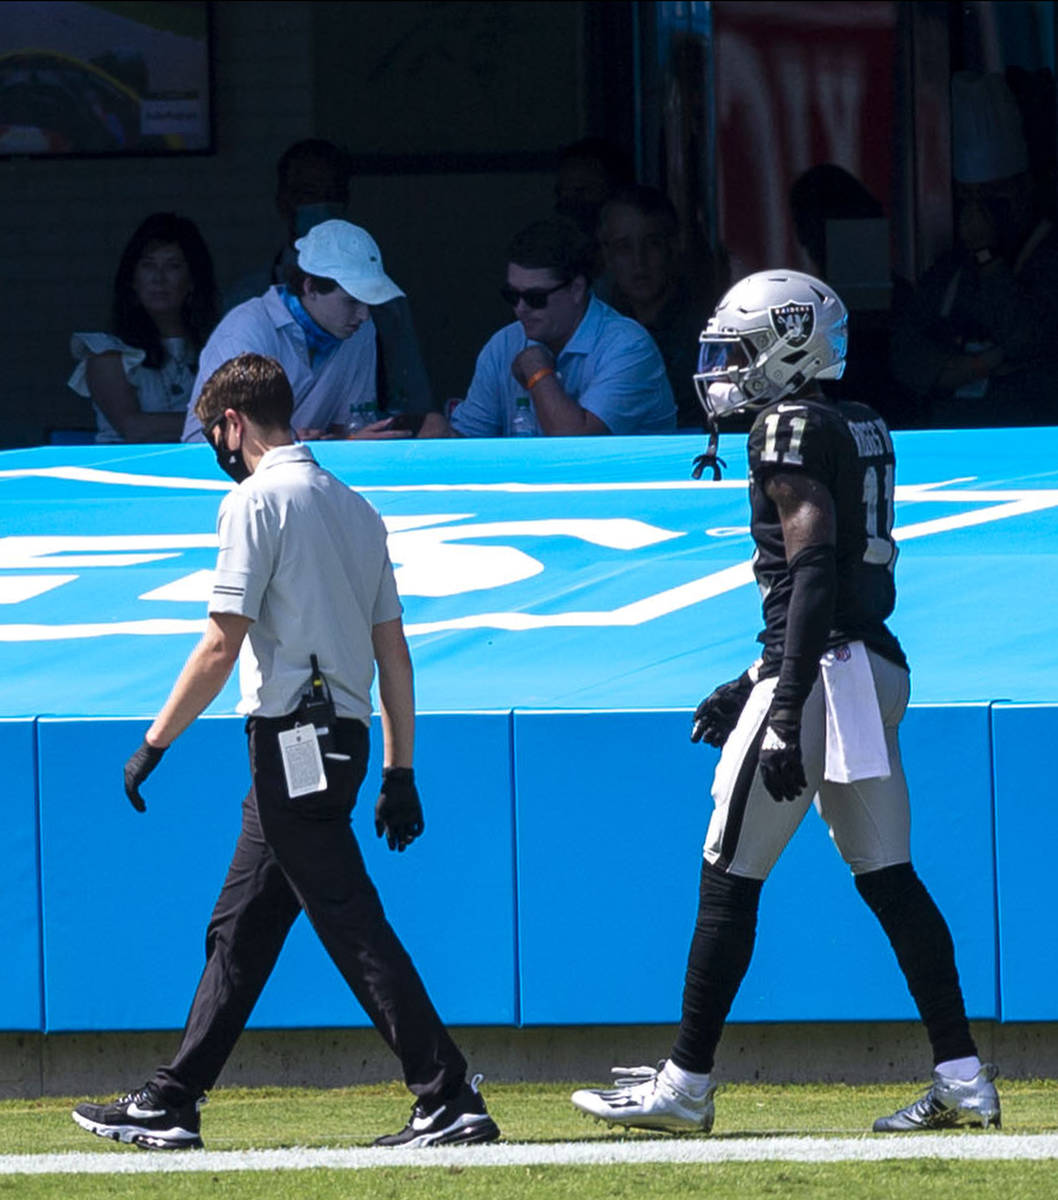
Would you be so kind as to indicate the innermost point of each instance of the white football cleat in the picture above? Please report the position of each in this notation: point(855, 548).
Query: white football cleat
point(949, 1102)
point(645, 1098)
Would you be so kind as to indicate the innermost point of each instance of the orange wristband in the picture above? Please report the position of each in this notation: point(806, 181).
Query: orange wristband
point(536, 376)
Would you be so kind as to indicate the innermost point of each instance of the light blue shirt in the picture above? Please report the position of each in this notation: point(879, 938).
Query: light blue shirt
point(324, 391)
point(610, 366)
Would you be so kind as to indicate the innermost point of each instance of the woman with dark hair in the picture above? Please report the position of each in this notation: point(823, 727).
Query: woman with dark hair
point(139, 377)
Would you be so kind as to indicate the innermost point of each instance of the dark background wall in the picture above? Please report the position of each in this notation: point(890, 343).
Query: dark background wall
point(453, 111)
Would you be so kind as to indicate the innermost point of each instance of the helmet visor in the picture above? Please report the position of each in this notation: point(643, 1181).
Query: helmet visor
point(722, 355)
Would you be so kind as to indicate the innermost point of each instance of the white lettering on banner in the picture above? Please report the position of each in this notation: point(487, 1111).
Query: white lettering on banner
point(16, 588)
point(196, 587)
point(433, 563)
point(119, 478)
point(433, 555)
point(130, 550)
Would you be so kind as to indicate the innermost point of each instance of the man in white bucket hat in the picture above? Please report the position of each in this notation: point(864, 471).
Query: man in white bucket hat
point(318, 327)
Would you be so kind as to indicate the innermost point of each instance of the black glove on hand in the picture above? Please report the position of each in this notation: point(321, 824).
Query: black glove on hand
point(718, 713)
point(139, 766)
point(781, 767)
point(398, 812)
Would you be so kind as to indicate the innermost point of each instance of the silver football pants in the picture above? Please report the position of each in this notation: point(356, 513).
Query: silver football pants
point(869, 820)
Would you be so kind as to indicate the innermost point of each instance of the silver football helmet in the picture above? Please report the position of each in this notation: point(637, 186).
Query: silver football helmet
point(770, 334)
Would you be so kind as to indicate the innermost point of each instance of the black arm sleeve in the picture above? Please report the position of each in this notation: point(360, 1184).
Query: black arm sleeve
point(814, 577)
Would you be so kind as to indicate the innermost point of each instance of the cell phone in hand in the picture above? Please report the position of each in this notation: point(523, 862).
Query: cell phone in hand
point(411, 421)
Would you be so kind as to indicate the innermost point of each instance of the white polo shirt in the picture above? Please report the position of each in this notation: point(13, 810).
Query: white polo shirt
point(304, 557)
point(323, 392)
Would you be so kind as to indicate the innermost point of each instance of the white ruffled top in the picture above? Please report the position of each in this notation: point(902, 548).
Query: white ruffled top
point(163, 389)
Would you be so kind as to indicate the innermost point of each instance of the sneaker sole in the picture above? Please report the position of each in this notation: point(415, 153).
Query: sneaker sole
point(145, 1139)
point(609, 1117)
point(986, 1121)
point(632, 1123)
point(468, 1130)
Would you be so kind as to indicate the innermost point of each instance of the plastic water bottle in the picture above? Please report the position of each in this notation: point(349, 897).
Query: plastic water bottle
point(361, 413)
point(522, 424)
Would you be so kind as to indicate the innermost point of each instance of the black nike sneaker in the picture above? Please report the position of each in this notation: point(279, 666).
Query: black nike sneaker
point(462, 1120)
point(142, 1119)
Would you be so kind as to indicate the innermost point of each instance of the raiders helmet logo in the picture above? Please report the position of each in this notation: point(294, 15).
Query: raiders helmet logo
point(793, 321)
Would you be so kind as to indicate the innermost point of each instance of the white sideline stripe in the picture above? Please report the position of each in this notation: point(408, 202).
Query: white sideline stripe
point(973, 1146)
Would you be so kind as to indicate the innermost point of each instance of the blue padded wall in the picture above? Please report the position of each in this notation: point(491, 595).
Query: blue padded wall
point(127, 896)
point(586, 573)
point(1026, 834)
point(450, 896)
point(612, 811)
point(20, 997)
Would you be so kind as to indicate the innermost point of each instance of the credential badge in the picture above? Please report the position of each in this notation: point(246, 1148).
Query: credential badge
point(793, 321)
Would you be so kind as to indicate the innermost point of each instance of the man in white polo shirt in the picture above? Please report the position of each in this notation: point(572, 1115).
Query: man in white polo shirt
point(318, 327)
point(304, 597)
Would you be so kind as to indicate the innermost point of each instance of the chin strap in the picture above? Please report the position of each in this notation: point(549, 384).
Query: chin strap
point(709, 458)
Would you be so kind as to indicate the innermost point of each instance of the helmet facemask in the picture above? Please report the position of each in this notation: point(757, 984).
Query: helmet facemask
point(730, 373)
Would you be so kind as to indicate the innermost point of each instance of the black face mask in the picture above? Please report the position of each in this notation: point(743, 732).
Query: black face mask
point(231, 462)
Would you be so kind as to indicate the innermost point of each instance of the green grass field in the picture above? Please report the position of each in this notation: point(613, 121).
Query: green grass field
point(268, 1118)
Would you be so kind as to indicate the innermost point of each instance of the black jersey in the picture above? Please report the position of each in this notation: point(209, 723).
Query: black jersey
point(847, 448)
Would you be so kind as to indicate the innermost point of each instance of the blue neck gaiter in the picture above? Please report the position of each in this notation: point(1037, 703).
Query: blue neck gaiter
point(321, 344)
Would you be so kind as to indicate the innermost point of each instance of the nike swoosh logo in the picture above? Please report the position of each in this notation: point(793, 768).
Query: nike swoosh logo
point(790, 408)
point(144, 1114)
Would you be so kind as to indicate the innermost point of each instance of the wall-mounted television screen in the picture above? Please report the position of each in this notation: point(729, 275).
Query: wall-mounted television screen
point(118, 78)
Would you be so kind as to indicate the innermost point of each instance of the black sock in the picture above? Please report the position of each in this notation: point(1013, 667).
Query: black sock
point(721, 948)
point(920, 937)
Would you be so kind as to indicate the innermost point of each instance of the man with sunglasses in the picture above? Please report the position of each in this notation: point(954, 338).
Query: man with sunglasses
point(584, 368)
point(304, 597)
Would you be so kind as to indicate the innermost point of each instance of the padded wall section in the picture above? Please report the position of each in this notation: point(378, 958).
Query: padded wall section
point(127, 896)
point(20, 997)
point(450, 896)
point(1026, 834)
point(612, 810)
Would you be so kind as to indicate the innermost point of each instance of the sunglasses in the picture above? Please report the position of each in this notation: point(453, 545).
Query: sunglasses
point(533, 297)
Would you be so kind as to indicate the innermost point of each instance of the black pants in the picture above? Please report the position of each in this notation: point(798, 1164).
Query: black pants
point(302, 854)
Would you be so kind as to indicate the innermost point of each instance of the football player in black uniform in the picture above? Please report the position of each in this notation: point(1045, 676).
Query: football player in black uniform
point(814, 720)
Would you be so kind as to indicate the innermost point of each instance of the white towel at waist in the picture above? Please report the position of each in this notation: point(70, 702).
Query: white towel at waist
point(856, 746)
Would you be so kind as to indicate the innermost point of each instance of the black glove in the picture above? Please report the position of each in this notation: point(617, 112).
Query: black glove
point(718, 713)
point(781, 768)
point(139, 766)
point(398, 813)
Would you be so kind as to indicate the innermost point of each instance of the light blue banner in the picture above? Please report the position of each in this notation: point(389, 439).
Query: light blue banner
point(569, 573)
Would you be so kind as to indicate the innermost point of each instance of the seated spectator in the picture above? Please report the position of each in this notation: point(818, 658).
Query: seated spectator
point(312, 186)
point(139, 376)
point(318, 326)
point(578, 366)
point(976, 339)
point(639, 233)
